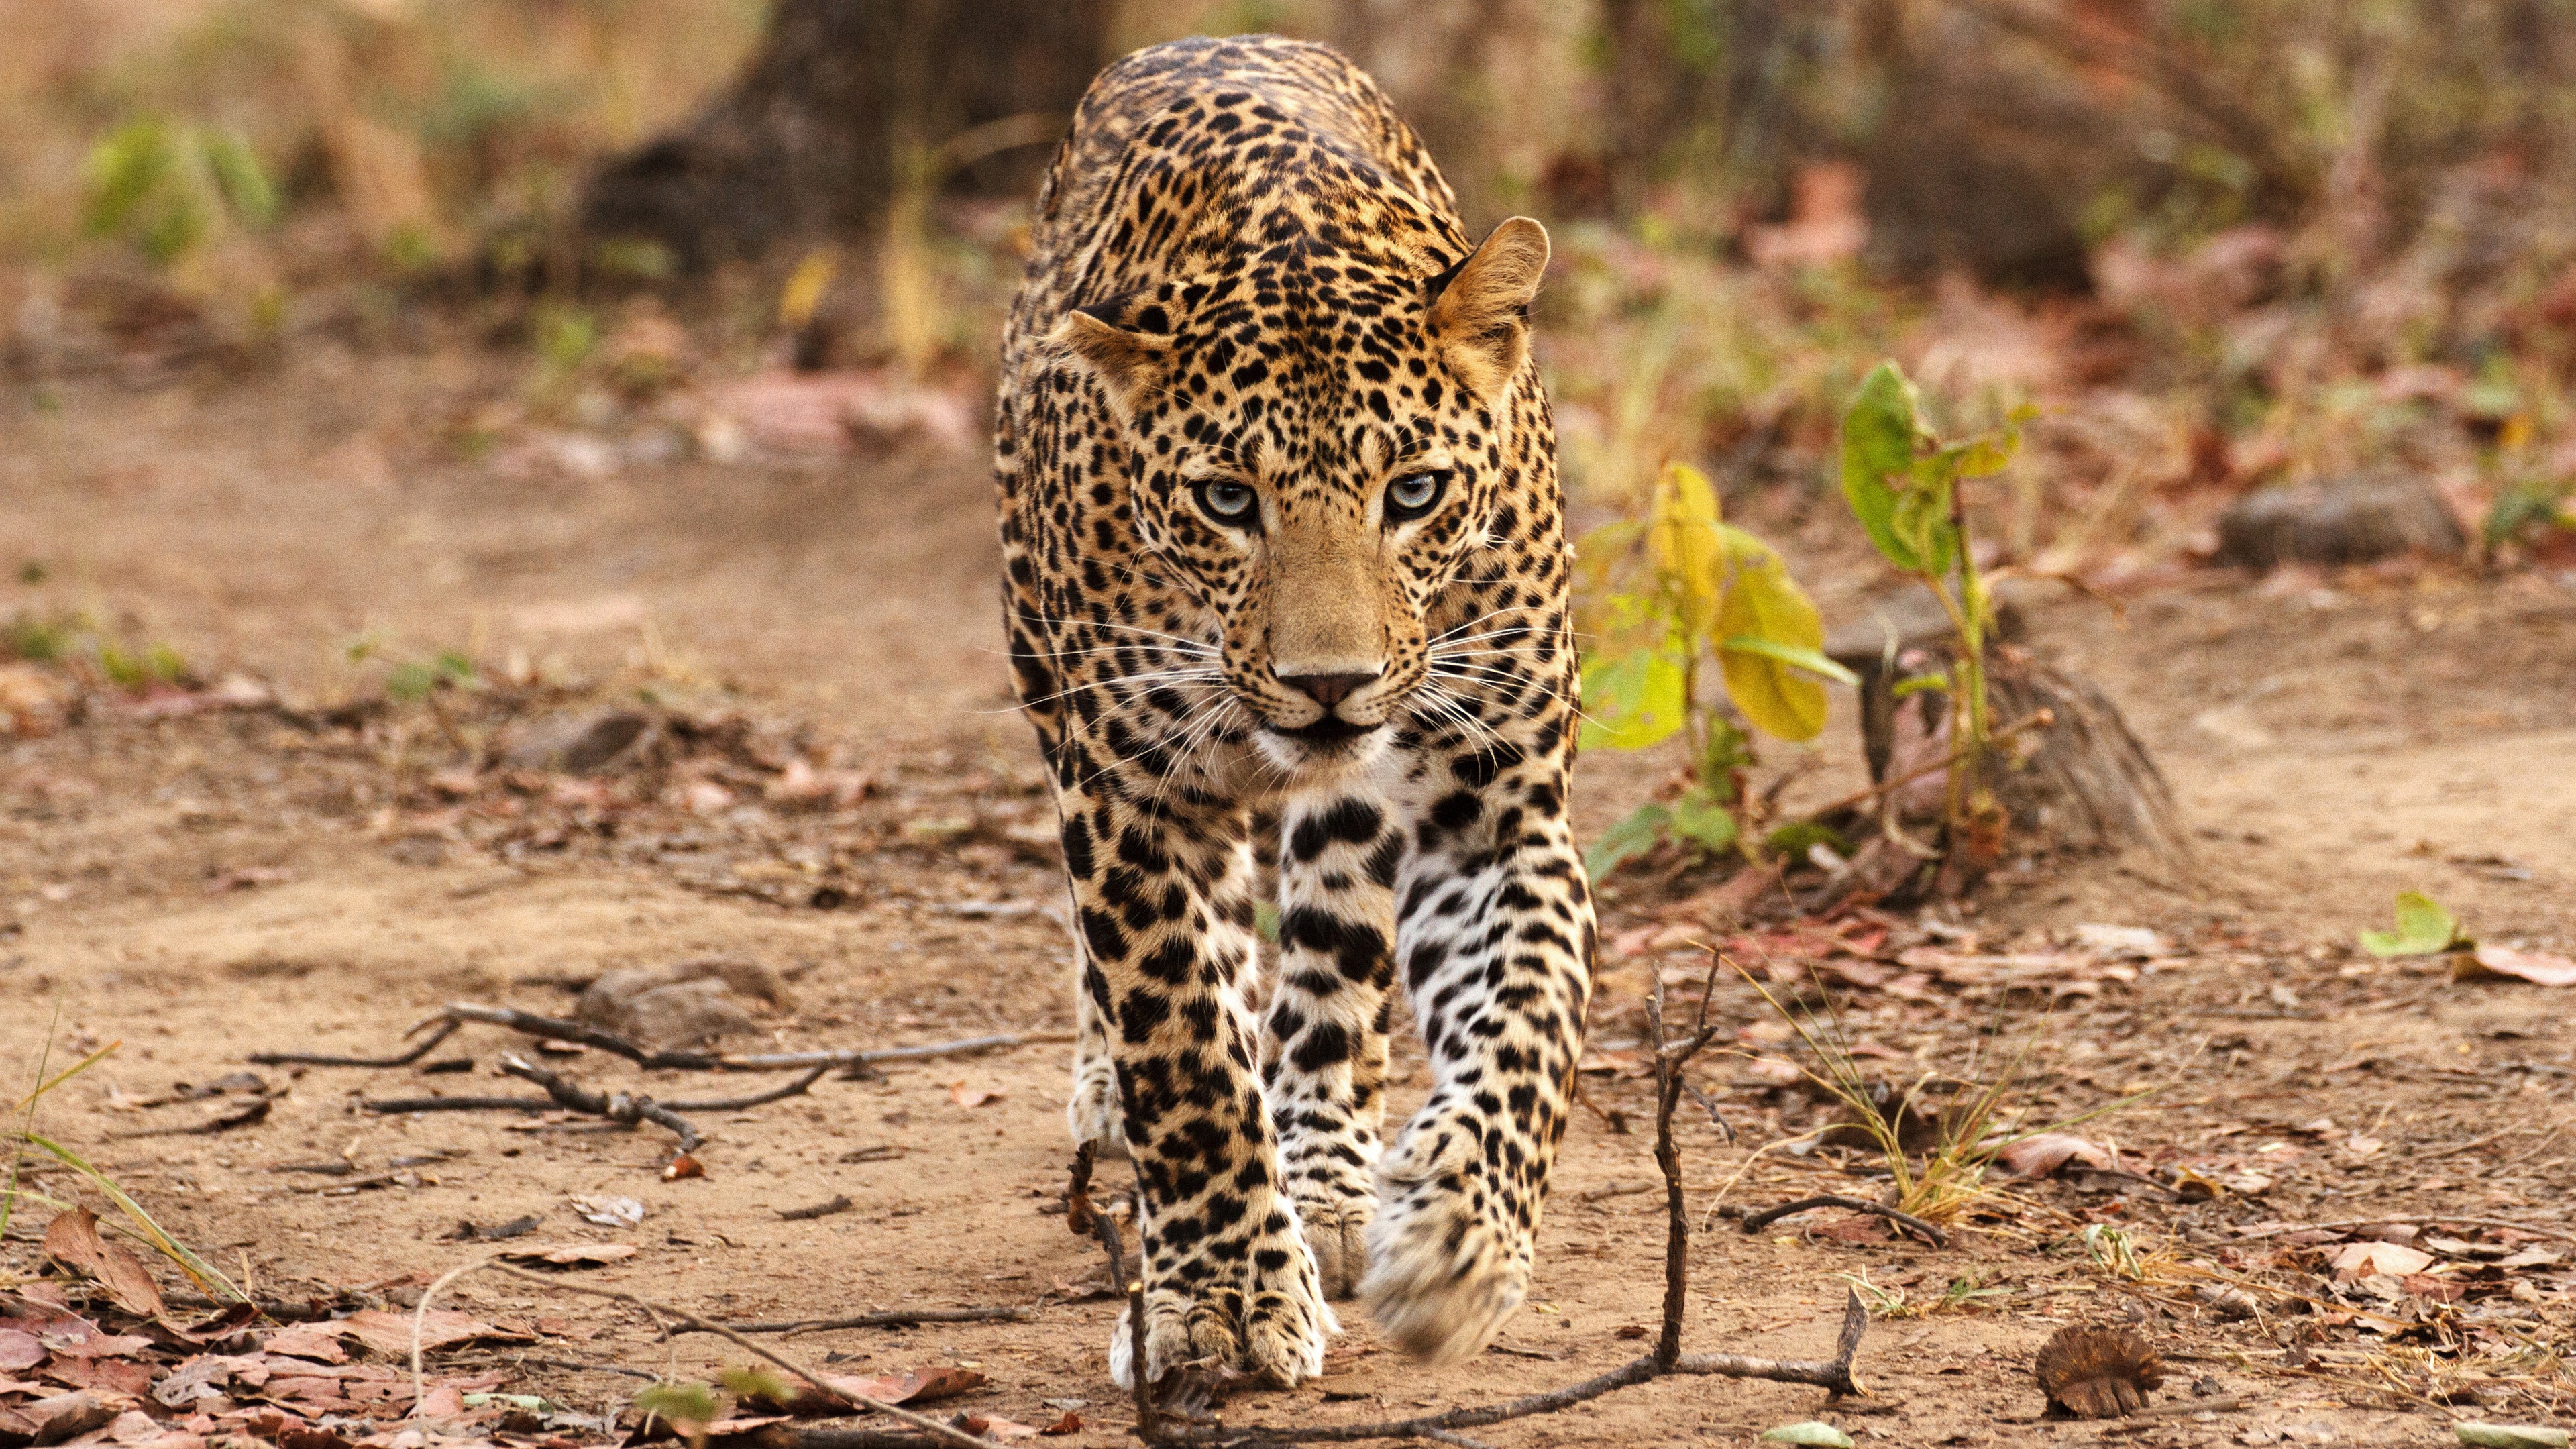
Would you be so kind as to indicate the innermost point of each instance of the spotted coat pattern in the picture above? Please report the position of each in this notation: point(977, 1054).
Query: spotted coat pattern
point(1283, 541)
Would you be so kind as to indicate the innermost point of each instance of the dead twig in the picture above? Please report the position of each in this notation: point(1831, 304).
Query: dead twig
point(445, 1030)
point(1078, 1212)
point(623, 1108)
point(1756, 1222)
point(548, 1028)
point(840, 1203)
point(1104, 1226)
point(892, 1318)
point(937, 1431)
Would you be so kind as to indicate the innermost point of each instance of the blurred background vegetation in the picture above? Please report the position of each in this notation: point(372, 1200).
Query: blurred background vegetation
point(2219, 242)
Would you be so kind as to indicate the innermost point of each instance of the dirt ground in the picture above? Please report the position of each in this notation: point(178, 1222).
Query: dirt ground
point(203, 886)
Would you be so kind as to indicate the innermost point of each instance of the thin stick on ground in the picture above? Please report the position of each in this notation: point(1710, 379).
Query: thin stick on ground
point(624, 1108)
point(891, 1318)
point(1756, 1222)
point(938, 1432)
point(548, 1028)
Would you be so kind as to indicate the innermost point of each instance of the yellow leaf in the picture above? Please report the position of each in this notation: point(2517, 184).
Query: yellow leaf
point(1687, 544)
point(1780, 699)
point(803, 293)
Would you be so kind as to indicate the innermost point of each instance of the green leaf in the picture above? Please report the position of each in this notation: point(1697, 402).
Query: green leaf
point(411, 681)
point(1921, 520)
point(1633, 701)
point(754, 1382)
point(1938, 679)
point(1798, 836)
point(1629, 838)
point(681, 1403)
point(2424, 928)
point(245, 184)
point(1778, 698)
point(1796, 656)
point(1702, 819)
point(1880, 429)
point(1810, 1432)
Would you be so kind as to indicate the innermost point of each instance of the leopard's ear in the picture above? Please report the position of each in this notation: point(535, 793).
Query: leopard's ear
point(1480, 319)
point(1128, 363)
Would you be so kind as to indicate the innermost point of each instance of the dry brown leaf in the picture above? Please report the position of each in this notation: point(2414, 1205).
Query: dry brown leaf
point(126, 1376)
point(966, 1096)
point(2492, 963)
point(1071, 1423)
point(72, 1240)
point(306, 1340)
point(53, 1420)
point(2042, 1153)
point(390, 1332)
point(1000, 1431)
point(19, 1350)
point(2360, 1260)
point(905, 1386)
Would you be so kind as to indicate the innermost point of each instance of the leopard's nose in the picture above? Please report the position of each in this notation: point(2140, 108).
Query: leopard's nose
point(1327, 689)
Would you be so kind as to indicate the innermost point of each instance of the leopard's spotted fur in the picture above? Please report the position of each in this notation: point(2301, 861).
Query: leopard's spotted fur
point(1251, 340)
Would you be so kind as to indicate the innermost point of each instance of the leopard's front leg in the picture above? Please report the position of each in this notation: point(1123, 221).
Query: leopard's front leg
point(1494, 934)
point(1162, 896)
point(1324, 1054)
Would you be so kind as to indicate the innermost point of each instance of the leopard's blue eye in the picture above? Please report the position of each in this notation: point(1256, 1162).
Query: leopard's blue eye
point(1415, 494)
point(1227, 501)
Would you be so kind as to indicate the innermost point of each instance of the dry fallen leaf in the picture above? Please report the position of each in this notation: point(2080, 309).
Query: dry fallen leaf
point(2360, 1260)
point(306, 1340)
point(19, 1350)
point(2492, 963)
point(1071, 1423)
point(1000, 1431)
point(2043, 1153)
point(682, 1165)
point(72, 1240)
point(906, 1386)
point(389, 1332)
point(966, 1096)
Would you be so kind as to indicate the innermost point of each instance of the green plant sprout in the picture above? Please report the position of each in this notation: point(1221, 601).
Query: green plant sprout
point(166, 187)
point(1673, 591)
point(1902, 483)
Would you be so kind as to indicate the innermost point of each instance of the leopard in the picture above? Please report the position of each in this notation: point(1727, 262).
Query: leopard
point(1286, 579)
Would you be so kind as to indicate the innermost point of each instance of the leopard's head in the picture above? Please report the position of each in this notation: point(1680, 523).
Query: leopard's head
point(1315, 444)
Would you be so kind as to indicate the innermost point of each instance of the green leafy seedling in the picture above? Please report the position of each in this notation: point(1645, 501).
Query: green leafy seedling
point(2424, 928)
point(682, 1402)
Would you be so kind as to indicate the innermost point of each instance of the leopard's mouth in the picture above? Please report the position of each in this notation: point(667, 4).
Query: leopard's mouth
point(1330, 731)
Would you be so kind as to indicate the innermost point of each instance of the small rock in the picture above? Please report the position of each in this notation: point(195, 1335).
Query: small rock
point(694, 1003)
point(2343, 520)
point(576, 744)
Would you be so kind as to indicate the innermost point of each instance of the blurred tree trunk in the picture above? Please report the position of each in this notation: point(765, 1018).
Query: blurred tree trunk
point(809, 139)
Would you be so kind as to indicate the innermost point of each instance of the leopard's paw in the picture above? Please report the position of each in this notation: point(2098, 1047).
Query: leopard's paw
point(1277, 1335)
point(1337, 1234)
point(1448, 1260)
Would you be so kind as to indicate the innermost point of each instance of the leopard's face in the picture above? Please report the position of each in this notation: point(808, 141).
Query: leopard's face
point(1314, 449)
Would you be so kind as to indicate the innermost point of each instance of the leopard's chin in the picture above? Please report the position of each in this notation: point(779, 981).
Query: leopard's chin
point(1328, 749)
